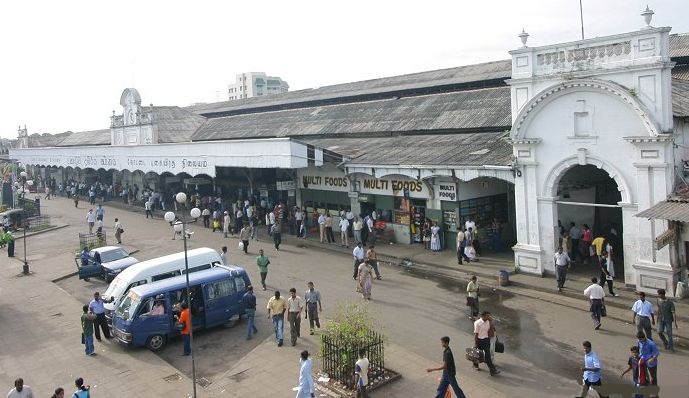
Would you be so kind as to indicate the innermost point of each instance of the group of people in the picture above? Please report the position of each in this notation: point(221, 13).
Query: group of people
point(365, 265)
point(94, 219)
point(361, 228)
point(310, 306)
point(22, 390)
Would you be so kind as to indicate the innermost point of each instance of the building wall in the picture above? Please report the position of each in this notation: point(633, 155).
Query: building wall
point(255, 84)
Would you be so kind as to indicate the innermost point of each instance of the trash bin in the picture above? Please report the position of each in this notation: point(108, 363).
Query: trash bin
point(504, 278)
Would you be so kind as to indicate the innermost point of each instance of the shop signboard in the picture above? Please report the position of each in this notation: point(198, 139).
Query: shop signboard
point(286, 185)
point(353, 195)
point(402, 187)
point(447, 191)
point(323, 179)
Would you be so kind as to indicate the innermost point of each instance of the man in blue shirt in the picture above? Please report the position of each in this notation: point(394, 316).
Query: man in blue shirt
point(591, 370)
point(250, 302)
point(448, 379)
point(648, 354)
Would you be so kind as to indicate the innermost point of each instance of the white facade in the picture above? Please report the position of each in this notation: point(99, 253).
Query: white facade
point(256, 84)
point(604, 102)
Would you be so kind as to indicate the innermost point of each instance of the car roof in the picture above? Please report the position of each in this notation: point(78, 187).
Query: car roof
point(106, 248)
point(179, 282)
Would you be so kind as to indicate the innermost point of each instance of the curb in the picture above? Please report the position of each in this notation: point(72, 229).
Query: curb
point(53, 228)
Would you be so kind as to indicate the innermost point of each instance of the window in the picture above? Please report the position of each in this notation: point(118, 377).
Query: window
point(216, 290)
point(165, 276)
point(195, 269)
point(241, 285)
point(135, 284)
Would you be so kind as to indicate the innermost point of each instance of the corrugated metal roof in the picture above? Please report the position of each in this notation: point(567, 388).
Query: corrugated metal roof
point(679, 45)
point(465, 149)
point(85, 138)
point(680, 98)
point(175, 124)
point(461, 74)
point(475, 109)
point(673, 210)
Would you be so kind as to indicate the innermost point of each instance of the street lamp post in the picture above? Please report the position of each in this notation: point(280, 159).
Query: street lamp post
point(25, 267)
point(176, 223)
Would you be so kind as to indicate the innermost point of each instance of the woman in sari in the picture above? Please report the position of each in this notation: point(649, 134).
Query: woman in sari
point(365, 279)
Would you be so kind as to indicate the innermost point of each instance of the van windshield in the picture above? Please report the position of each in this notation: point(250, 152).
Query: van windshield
point(116, 288)
point(128, 306)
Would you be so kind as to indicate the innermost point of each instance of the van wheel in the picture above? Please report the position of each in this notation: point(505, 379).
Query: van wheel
point(155, 343)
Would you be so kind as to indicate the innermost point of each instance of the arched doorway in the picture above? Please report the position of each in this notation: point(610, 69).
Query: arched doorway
point(588, 195)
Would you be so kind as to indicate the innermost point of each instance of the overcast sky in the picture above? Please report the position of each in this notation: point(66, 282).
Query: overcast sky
point(65, 63)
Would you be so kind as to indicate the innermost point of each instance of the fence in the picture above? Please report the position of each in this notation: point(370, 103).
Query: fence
point(92, 240)
point(37, 223)
point(31, 207)
point(340, 355)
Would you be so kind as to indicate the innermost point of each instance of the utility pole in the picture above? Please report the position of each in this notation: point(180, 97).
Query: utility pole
point(581, 16)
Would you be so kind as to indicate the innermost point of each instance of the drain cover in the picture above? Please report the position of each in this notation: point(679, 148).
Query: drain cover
point(203, 382)
point(173, 377)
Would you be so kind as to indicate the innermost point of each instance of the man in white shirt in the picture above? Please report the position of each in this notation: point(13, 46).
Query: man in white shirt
point(562, 262)
point(344, 225)
point(482, 341)
point(361, 371)
point(358, 254)
point(20, 390)
point(371, 230)
point(90, 220)
point(223, 255)
point(596, 296)
point(350, 219)
point(469, 224)
point(226, 224)
point(321, 226)
point(295, 305)
point(643, 315)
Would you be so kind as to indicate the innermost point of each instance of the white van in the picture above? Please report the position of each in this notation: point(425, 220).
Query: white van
point(155, 270)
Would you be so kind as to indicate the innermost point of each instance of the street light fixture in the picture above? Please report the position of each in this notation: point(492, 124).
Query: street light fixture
point(179, 226)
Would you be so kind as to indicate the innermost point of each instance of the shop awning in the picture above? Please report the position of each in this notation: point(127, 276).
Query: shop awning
point(673, 210)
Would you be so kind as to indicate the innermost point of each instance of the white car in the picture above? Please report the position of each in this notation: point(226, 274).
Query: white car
point(106, 262)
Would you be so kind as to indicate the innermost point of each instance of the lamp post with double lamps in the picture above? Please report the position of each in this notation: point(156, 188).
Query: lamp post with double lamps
point(179, 225)
point(25, 182)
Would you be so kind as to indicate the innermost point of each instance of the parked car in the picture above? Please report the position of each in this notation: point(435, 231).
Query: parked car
point(113, 260)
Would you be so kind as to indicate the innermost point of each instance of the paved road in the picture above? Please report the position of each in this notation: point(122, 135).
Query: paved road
point(543, 339)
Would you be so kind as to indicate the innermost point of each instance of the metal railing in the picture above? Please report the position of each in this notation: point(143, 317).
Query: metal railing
point(92, 240)
point(339, 357)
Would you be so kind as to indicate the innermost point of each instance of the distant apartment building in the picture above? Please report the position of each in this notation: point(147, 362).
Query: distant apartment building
point(255, 84)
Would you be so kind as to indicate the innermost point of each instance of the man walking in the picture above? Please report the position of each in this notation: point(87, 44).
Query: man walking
point(226, 223)
point(358, 254)
point(20, 390)
point(329, 228)
point(277, 236)
point(482, 341)
point(244, 236)
point(461, 245)
point(472, 297)
point(596, 295)
point(96, 307)
point(372, 259)
point(344, 227)
point(448, 377)
point(648, 360)
point(100, 213)
point(321, 227)
point(562, 264)
point(276, 309)
point(591, 369)
point(90, 220)
point(185, 319)
point(250, 302)
point(295, 305)
point(666, 317)
point(87, 319)
point(575, 236)
point(643, 315)
point(223, 255)
point(148, 206)
point(313, 306)
point(361, 372)
point(262, 262)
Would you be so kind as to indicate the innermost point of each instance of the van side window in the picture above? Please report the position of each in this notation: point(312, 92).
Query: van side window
point(219, 289)
point(241, 285)
point(166, 275)
point(135, 284)
point(196, 269)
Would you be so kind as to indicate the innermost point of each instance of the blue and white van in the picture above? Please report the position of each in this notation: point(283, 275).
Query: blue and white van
point(216, 297)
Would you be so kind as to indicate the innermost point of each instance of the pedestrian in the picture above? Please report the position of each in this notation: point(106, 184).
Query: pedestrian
point(206, 214)
point(82, 389)
point(276, 310)
point(361, 372)
point(365, 279)
point(586, 239)
point(59, 393)
point(448, 377)
point(277, 236)
point(262, 262)
point(482, 341)
point(223, 255)
point(75, 197)
point(226, 224)
point(591, 369)
point(344, 226)
point(313, 306)
point(606, 273)
point(84, 256)
point(356, 228)
point(575, 236)
point(90, 220)
point(87, 319)
point(358, 255)
point(100, 213)
point(295, 305)
point(461, 245)
point(648, 360)
point(372, 259)
point(306, 387)
point(562, 264)
point(250, 305)
point(329, 228)
point(20, 390)
point(596, 296)
point(472, 297)
point(633, 366)
point(185, 319)
point(148, 206)
point(370, 229)
point(96, 307)
point(321, 227)
point(118, 230)
point(495, 235)
point(493, 334)
point(643, 315)
point(666, 317)
point(47, 192)
point(244, 237)
point(435, 238)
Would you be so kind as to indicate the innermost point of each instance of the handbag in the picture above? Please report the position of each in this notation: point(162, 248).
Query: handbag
point(603, 311)
point(120, 230)
point(475, 355)
point(499, 346)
